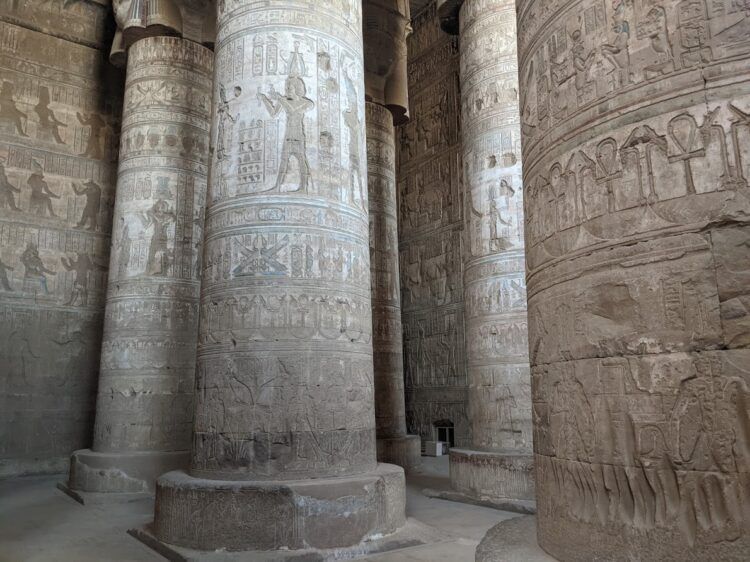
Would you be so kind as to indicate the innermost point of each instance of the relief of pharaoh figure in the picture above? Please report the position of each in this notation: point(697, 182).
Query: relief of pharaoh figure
point(34, 266)
point(160, 217)
point(82, 265)
point(9, 110)
point(40, 202)
point(90, 213)
point(7, 199)
point(47, 119)
point(295, 104)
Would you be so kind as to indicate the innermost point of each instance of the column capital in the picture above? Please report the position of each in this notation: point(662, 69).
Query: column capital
point(448, 13)
point(194, 20)
point(386, 26)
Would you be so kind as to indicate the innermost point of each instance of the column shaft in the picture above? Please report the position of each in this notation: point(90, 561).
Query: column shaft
point(499, 465)
point(145, 399)
point(388, 359)
point(284, 422)
point(636, 137)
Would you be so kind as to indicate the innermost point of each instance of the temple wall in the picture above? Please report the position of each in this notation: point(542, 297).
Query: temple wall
point(430, 235)
point(59, 125)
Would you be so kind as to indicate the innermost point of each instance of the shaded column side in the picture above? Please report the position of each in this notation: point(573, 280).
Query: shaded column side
point(636, 162)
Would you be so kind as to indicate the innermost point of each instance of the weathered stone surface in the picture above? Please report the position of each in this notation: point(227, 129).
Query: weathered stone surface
point(493, 476)
point(59, 125)
point(430, 236)
point(386, 27)
point(635, 134)
point(404, 451)
point(194, 20)
point(494, 270)
point(145, 398)
point(319, 513)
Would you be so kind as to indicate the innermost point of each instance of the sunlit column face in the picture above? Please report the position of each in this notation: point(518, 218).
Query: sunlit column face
point(285, 380)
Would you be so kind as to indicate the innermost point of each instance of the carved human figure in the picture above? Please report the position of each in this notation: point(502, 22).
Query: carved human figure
point(90, 213)
point(96, 133)
point(4, 269)
point(47, 119)
point(34, 266)
point(40, 201)
point(294, 103)
point(82, 265)
point(224, 120)
point(9, 110)
point(160, 218)
point(124, 244)
point(353, 123)
point(7, 189)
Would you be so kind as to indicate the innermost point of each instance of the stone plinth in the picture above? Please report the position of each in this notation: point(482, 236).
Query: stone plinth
point(284, 401)
point(394, 446)
point(494, 477)
point(145, 399)
point(494, 271)
point(320, 513)
point(636, 161)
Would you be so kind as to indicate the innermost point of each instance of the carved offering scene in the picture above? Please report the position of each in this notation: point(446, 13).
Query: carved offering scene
point(382, 280)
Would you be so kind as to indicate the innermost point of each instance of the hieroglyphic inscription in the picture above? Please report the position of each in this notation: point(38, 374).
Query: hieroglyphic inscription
point(636, 166)
point(387, 341)
point(430, 234)
point(494, 269)
point(285, 380)
point(145, 400)
point(59, 124)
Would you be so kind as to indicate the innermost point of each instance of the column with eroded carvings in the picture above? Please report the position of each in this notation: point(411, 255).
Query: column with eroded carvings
point(144, 405)
point(385, 31)
point(283, 453)
point(498, 467)
point(636, 140)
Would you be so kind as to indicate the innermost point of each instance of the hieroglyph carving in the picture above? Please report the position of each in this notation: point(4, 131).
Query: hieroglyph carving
point(59, 125)
point(285, 380)
point(145, 399)
point(430, 234)
point(636, 166)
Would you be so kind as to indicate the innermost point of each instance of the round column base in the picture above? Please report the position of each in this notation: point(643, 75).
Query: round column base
point(130, 472)
point(493, 476)
point(319, 513)
point(405, 451)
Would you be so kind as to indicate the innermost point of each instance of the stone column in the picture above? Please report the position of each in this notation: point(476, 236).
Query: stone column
point(386, 24)
point(636, 137)
point(393, 444)
point(145, 400)
point(498, 467)
point(283, 452)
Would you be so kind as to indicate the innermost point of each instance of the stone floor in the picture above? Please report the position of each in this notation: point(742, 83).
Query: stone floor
point(39, 523)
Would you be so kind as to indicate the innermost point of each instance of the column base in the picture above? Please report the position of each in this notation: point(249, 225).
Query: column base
point(405, 451)
point(494, 477)
point(512, 539)
point(95, 476)
point(324, 513)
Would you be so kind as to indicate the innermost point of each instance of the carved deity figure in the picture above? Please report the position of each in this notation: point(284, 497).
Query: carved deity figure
point(352, 122)
point(34, 266)
point(90, 213)
point(295, 104)
point(46, 116)
point(96, 128)
point(160, 217)
point(9, 110)
point(4, 269)
point(40, 202)
point(225, 120)
point(7, 189)
point(124, 245)
point(82, 266)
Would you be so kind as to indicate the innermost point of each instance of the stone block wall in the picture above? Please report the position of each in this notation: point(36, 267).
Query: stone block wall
point(430, 235)
point(59, 128)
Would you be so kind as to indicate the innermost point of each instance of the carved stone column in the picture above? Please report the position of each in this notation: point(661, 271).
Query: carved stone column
point(499, 466)
point(394, 445)
point(283, 452)
point(636, 137)
point(386, 25)
point(145, 400)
